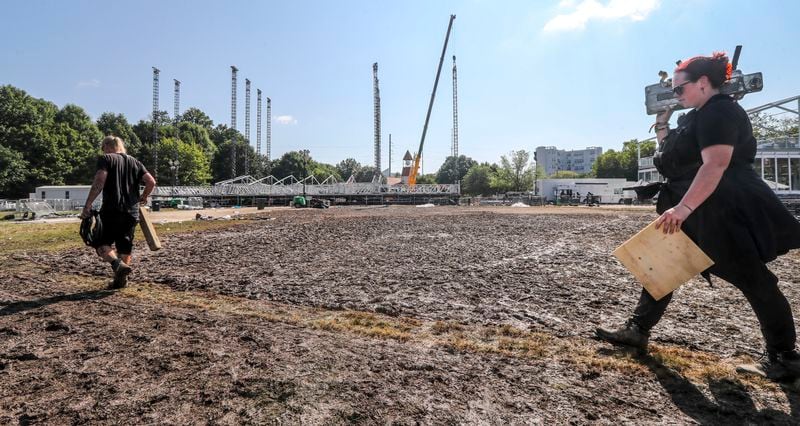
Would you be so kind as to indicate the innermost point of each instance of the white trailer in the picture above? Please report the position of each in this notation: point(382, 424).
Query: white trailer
point(609, 191)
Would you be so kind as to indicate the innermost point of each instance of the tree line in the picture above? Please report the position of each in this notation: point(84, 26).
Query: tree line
point(42, 144)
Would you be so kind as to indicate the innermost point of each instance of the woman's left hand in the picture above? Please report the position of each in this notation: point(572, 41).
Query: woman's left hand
point(673, 218)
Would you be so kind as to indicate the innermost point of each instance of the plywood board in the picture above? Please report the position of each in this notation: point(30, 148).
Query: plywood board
point(662, 262)
point(148, 230)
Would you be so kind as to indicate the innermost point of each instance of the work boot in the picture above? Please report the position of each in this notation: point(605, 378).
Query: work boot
point(629, 335)
point(782, 365)
point(120, 276)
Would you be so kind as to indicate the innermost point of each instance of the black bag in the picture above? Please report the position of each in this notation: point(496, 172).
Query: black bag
point(91, 228)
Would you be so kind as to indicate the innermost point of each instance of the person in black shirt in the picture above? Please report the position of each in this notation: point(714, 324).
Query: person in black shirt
point(118, 177)
point(714, 195)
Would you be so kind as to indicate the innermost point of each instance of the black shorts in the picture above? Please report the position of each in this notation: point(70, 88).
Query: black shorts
point(118, 228)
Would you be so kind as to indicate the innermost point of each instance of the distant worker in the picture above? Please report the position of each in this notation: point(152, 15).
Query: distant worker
point(715, 196)
point(118, 177)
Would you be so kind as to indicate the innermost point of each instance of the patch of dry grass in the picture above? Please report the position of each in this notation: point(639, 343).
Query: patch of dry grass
point(442, 327)
point(502, 340)
point(50, 237)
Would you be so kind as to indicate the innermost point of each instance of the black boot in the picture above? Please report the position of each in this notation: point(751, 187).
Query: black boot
point(121, 271)
point(782, 365)
point(629, 335)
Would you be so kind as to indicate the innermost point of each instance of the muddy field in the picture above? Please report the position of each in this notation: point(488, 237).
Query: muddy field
point(396, 315)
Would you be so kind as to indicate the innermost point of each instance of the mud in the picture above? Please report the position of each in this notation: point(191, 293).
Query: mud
point(236, 331)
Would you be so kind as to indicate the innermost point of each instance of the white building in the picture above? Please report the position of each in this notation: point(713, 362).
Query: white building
point(778, 163)
point(553, 160)
point(609, 190)
point(64, 197)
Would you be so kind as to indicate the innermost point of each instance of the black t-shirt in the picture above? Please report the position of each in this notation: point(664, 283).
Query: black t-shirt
point(121, 190)
point(724, 122)
point(719, 122)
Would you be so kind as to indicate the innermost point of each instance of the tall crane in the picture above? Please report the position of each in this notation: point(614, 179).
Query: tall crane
point(412, 178)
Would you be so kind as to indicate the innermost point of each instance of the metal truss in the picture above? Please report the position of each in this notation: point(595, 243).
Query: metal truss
point(290, 186)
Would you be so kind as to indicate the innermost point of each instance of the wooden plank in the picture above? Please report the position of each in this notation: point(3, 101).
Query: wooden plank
point(148, 230)
point(662, 262)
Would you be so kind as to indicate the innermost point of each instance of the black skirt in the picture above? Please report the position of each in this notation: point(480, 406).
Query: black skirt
point(742, 223)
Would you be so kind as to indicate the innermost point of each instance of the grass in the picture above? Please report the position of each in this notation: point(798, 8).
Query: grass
point(51, 237)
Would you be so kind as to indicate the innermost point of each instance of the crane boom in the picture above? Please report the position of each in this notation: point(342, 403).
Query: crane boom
point(412, 178)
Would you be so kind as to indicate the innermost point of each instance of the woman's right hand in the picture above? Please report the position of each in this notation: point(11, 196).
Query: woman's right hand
point(664, 116)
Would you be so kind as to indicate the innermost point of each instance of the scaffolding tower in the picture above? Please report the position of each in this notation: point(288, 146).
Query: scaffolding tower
point(177, 107)
point(377, 115)
point(269, 129)
point(258, 122)
point(234, 70)
point(246, 124)
point(156, 72)
point(455, 108)
point(177, 101)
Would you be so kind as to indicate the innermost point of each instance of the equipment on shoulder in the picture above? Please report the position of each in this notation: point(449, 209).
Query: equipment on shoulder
point(659, 97)
point(91, 228)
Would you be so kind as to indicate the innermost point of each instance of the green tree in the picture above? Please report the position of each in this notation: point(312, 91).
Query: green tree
point(454, 169)
point(198, 117)
point(197, 135)
point(347, 168)
point(117, 125)
point(514, 174)
point(291, 163)
point(428, 179)
point(623, 164)
point(57, 146)
point(222, 133)
point(221, 164)
point(366, 173)
point(477, 180)
point(768, 127)
point(322, 171)
point(609, 165)
point(79, 139)
point(193, 167)
point(13, 170)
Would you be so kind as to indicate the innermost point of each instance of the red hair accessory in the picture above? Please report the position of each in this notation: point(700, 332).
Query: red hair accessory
point(728, 71)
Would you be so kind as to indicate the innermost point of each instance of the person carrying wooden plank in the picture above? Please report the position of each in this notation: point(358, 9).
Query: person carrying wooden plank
point(118, 177)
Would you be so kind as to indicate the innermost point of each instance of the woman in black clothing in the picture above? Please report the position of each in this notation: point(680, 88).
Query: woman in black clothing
point(715, 196)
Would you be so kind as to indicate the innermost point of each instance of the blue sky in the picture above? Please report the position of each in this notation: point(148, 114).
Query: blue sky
point(564, 73)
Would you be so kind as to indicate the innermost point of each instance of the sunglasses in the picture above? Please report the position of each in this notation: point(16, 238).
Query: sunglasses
point(678, 90)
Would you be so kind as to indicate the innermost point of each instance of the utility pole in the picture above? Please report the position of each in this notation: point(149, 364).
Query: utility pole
point(234, 70)
point(246, 123)
point(156, 72)
point(377, 117)
point(258, 122)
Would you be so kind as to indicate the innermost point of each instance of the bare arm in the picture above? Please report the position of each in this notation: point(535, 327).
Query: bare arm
point(97, 187)
point(716, 159)
point(149, 184)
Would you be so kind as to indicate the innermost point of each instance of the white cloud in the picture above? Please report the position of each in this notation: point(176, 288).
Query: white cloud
point(286, 120)
point(587, 10)
point(89, 83)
